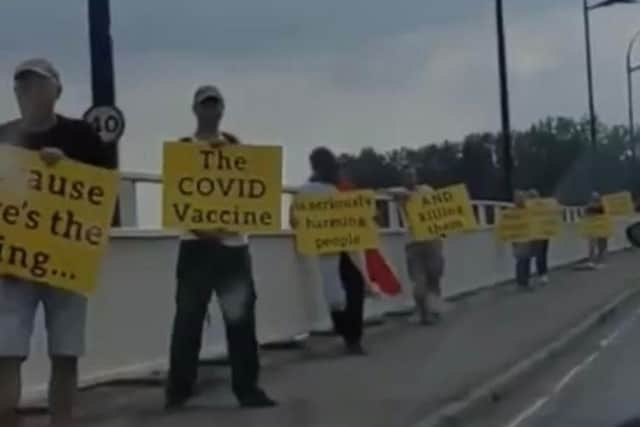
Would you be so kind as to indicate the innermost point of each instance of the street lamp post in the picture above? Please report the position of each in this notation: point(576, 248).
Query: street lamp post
point(592, 109)
point(632, 126)
point(630, 70)
point(507, 157)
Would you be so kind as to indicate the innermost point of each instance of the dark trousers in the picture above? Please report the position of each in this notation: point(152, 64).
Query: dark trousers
point(349, 322)
point(541, 255)
point(204, 267)
point(523, 271)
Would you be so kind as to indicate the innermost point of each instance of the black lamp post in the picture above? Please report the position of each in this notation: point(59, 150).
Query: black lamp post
point(630, 70)
point(507, 157)
point(592, 109)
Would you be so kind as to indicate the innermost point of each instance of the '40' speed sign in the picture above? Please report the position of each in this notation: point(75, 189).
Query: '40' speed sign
point(107, 120)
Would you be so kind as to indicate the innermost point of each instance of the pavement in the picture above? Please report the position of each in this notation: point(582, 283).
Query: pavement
point(595, 384)
point(410, 373)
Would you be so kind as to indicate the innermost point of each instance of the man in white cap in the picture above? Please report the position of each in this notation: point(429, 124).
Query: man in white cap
point(214, 261)
point(37, 88)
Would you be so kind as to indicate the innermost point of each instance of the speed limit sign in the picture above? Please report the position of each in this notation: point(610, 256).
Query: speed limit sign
point(107, 121)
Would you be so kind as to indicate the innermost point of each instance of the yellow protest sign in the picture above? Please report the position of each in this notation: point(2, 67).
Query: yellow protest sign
point(618, 204)
point(514, 225)
point(545, 216)
point(54, 221)
point(335, 222)
point(594, 226)
point(227, 187)
point(445, 211)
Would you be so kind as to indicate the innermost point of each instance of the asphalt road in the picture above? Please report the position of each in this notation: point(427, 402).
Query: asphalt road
point(596, 384)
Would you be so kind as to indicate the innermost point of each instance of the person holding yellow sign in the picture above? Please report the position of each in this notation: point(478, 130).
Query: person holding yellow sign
point(540, 250)
point(343, 281)
point(37, 88)
point(597, 245)
point(425, 261)
point(214, 261)
point(522, 250)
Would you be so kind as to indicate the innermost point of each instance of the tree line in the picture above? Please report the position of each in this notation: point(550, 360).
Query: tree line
point(553, 156)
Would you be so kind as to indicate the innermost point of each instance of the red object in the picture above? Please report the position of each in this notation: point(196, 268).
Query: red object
point(381, 274)
point(378, 269)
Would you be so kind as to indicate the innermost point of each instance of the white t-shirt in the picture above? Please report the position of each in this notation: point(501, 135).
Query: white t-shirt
point(328, 265)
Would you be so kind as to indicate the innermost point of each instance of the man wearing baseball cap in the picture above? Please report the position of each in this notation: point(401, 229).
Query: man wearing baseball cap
point(37, 88)
point(214, 261)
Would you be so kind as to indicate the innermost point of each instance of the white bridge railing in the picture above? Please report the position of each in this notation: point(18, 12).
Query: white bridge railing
point(131, 314)
point(135, 184)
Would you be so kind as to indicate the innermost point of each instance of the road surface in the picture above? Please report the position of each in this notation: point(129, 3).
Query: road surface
point(410, 373)
point(596, 384)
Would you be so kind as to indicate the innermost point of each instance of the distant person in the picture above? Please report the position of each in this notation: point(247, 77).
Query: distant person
point(522, 251)
point(220, 262)
point(343, 283)
point(540, 249)
point(37, 87)
point(597, 245)
point(425, 262)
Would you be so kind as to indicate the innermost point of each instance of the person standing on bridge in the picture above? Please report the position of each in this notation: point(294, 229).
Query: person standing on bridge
point(217, 261)
point(425, 262)
point(540, 249)
point(37, 88)
point(343, 281)
point(522, 251)
point(597, 245)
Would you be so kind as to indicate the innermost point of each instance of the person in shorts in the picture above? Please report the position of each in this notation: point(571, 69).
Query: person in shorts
point(425, 262)
point(220, 262)
point(37, 88)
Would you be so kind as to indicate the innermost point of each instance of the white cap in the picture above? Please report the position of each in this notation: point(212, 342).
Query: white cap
point(39, 66)
point(206, 92)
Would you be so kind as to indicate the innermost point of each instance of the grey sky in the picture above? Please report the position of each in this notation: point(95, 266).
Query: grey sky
point(343, 73)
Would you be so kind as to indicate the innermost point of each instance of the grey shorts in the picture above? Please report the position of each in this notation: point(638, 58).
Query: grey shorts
point(65, 318)
point(425, 262)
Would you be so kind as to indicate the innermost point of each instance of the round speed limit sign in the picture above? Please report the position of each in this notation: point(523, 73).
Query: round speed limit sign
point(107, 121)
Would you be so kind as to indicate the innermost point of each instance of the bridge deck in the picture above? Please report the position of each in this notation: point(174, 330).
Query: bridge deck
point(410, 372)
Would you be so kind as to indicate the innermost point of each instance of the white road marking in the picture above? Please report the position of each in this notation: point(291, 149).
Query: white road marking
point(529, 412)
point(573, 372)
point(540, 402)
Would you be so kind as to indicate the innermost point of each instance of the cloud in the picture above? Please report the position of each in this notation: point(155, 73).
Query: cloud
point(346, 74)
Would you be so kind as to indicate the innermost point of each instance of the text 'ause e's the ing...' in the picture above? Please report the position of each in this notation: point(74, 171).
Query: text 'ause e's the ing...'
point(20, 214)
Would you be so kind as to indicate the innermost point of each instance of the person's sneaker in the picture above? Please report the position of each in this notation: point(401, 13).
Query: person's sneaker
point(430, 319)
point(176, 402)
point(355, 350)
point(256, 399)
point(544, 280)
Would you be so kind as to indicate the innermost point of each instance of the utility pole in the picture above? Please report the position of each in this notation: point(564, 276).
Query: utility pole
point(507, 157)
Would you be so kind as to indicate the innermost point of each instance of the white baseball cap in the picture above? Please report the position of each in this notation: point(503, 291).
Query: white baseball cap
point(207, 92)
point(39, 66)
